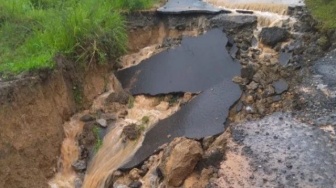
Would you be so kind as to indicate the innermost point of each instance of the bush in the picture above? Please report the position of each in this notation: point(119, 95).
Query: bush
point(33, 32)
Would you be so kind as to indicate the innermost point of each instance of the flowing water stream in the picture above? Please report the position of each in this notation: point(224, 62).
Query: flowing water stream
point(116, 151)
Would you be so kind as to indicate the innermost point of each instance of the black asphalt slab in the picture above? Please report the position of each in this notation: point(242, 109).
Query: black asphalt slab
point(203, 116)
point(194, 66)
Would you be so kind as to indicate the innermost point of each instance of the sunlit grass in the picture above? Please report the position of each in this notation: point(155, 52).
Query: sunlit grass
point(33, 32)
point(324, 11)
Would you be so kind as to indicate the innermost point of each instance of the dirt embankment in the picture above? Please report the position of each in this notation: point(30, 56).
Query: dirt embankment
point(34, 108)
point(32, 113)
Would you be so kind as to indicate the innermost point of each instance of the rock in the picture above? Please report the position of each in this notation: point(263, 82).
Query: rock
point(131, 132)
point(135, 184)
point(117, 173)
point(233, 21)
point(239, 80)
point(259, 77)
point(239, 106)
point(108, 116)
point(280, 86)
point(180, 159)
point(87, 118)
point(269, 90)
point(102, 122)
point(134, 174)
point(249, 99)
point(117, 185)
point(271, 36)
point(123, 114)
point(247, 72)
point(79, 165)
point(276, 98)
point(120, 97)
point(78, 183)
point(284, 58)
point(252, 86)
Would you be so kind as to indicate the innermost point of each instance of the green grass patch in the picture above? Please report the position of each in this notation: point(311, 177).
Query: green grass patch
point(33, 32)
point(99, 141)
point(324, 11)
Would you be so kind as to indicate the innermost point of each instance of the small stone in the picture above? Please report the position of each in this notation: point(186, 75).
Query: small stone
point(239, 80)
point(276, 98)
point(87, 118)
point(239, 106)
point(135, 184)
point(252, 86)
point(102, 122)
point(117, 173)
point(249, 99)
point(78, 183)
point(117, 185)
point(280, 86)
point(79, 165)
point(249, 109)
point(258, 77)
point(284, 58)
point(269, 90)
point(134, 174)
point(123, 114)
point(247, 72)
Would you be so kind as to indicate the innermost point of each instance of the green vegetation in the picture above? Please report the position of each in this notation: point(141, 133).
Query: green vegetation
point(78, 95)
point(130, 103)
point(144, 123)
point(99, 141)
point(33, 32)
point(324, 11)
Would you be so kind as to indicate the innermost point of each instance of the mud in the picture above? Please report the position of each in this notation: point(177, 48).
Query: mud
point(195, 65)
point(33, 110)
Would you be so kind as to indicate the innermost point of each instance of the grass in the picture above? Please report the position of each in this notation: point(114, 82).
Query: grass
point(33, 32)
point(324, 11)
point(99, 141)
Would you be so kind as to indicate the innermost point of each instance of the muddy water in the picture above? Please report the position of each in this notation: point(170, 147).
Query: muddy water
point(115, 150)
point(275, 6)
